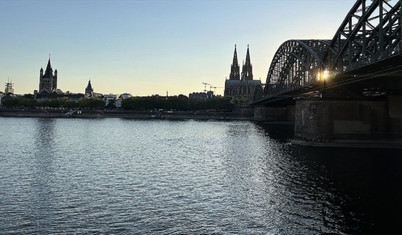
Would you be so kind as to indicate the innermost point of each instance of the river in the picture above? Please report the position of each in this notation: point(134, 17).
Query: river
point(118, 176)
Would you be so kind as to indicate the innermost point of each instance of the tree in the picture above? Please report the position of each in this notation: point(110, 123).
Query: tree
point(9, 101)
point(26, 102)
point(55, 103)
point(180, 102)
point(91, 103)
point(96, 103)
point(111, 104)
point(143, 103)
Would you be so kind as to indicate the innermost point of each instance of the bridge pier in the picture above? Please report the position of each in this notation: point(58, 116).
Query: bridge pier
point(344, 122)
point(275, 114)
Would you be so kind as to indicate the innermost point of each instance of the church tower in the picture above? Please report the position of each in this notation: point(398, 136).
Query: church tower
point(247, 71)
point(234, 69)
point(89, 91)
point(48, 80)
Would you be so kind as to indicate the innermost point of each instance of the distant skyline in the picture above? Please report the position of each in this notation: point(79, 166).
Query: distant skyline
point(151, 47)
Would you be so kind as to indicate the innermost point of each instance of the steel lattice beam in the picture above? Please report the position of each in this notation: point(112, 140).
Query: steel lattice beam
point(295, 65)
point(371, 32)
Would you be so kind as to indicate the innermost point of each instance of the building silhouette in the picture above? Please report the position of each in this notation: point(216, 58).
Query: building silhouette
point(89, 92)
point(9, 88)
point(241, 86)
point(48, 86)
point(48, 80)
point(201, 95)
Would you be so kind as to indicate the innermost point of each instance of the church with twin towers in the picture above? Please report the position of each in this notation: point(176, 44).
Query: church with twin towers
point(241, 85)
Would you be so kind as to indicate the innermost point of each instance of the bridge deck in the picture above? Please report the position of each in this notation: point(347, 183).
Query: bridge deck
point(384, 77)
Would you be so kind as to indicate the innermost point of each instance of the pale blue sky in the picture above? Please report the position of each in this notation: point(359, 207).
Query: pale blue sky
point(150, 47)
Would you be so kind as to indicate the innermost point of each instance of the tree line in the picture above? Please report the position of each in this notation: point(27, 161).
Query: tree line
point(180, 102)
point(27, 101)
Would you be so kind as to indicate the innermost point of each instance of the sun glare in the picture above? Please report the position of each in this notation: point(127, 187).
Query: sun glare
point(324, 75)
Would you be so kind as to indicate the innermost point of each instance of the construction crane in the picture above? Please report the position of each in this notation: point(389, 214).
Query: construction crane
point(214, 87)
point(205, 86)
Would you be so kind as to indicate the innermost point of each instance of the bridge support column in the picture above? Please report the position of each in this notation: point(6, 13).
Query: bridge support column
point(331, 121)
point(274, 114)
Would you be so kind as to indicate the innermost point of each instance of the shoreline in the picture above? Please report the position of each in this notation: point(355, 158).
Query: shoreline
point(359, 144)
point(127, 114)
point(278, 130)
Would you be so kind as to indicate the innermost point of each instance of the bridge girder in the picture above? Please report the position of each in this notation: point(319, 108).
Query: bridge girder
point(295, 65)
point(370, 32)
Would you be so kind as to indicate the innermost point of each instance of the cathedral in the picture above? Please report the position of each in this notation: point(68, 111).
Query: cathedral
point(48, 80)
point(241, 86)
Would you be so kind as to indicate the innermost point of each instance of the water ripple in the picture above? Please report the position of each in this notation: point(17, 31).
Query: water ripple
point(114, 176)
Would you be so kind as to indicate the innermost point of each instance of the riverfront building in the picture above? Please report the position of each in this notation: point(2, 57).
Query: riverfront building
point(201, 95)
point(1, 96)
point(9, 88)
point(48, 80)
point(48, 86)
point(241, 86)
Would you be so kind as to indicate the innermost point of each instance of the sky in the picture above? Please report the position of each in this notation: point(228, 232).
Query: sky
point(155, 46)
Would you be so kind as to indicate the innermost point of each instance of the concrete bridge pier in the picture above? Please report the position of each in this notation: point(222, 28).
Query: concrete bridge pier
point(349, 122)
point(275, 114)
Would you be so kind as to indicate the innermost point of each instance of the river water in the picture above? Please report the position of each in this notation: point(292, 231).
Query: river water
point(116, 176)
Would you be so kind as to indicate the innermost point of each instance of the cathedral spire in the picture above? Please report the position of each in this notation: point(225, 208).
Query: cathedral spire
point(89, 91)
point(247, 70)
point(49, 70)
point(89, 86)
point(234, 70)
point(248, 56)
point(48, 64)
point(48, 67)
point(235, 56)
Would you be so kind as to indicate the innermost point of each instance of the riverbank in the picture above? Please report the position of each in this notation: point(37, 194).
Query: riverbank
point(360, 144)
point(156, 114)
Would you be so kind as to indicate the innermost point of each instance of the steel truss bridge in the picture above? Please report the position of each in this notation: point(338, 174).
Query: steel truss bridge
point(363, 59)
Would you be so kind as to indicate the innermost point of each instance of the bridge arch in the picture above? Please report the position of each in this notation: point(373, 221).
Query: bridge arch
point(295, 64)
point(370, 32)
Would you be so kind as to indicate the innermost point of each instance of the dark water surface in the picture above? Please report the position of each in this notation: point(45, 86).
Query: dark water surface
point(117, 176)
